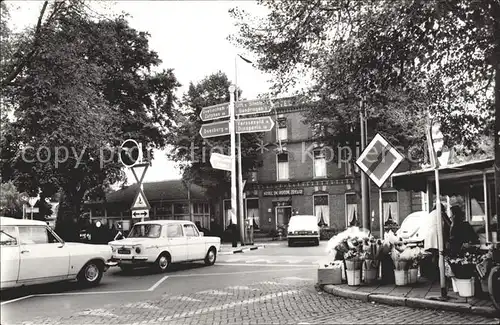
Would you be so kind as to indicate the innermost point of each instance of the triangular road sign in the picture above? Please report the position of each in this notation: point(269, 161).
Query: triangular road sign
point(140, 202)
point(144, 169)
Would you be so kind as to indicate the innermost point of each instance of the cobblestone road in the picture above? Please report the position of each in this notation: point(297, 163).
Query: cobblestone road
point(280, 301)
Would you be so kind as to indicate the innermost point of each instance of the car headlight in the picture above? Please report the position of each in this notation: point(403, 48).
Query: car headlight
point(290, 232)
point(138, 249)
point(315, 232)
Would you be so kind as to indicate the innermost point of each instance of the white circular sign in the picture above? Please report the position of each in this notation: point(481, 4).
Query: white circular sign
point(232, 89)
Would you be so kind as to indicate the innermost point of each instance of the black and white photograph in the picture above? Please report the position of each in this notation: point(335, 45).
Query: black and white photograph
point(207, 162)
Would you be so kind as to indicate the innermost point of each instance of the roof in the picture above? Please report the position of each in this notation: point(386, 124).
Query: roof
point(6, 221)
point(451, 177)
point(171, 190)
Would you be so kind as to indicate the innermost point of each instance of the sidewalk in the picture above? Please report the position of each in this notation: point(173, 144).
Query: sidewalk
point(420, 295)
point(228, 249)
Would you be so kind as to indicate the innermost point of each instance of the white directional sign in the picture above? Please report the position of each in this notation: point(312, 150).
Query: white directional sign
point(214, 112)
point(379, 160)
point(255, 106)
point(219, 161)
point(140, 213)
point(254, 124)
point(140, 201)
point(216, 129)
point(32, 210)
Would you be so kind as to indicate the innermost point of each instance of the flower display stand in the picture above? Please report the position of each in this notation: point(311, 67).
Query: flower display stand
point(412, 275)
point(330, 274)
point(370, 270)
point(353, 270)
point(465, 287)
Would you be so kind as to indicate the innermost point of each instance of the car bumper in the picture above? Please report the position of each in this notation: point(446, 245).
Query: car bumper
point(303, 237)
point(129, 260)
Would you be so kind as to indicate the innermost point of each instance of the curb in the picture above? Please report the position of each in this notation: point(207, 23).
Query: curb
point(241, 250)
point(409, 302)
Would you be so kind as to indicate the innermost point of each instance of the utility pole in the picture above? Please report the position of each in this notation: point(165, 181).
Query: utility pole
point(232, 132)
point(365, 199)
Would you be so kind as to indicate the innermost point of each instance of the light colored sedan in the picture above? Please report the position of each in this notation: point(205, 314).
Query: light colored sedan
point(303, 228)
point(159, 243)
point(32, 253)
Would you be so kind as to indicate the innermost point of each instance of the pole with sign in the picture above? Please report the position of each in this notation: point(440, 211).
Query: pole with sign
point(233, 154)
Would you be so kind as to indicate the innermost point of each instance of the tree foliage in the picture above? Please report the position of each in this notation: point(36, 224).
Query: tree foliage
point(192, 151)
point(85, 85)
point(402, 57)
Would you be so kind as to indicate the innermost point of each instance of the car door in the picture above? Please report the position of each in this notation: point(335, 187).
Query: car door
point(196, 243)
point(43, 257)
point(9, 253)
point(177, 242)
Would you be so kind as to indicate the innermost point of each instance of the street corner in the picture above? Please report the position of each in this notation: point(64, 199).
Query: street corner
point(228, 250)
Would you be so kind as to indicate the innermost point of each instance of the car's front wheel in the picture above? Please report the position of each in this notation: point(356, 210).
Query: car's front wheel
point(162, 263)
point(211, 257)
point(91, 274)
point(316, 242)
point(290, 243)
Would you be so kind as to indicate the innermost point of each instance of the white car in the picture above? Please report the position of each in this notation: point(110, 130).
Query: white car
point(303, 228)
point(32, 253)
point(161, 242)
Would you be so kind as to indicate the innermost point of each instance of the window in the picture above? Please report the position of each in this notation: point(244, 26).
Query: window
point(347, 159)
point(282, 159)
point(253, 212)
point(8, 236)
point(319, 163)
point(321, 209)
point(352, 216)
point(174, 230)
point(190, 231)
point(282, 129)
point(390, 206)
point(181, 208)
point(36, 235)
point(145, 231)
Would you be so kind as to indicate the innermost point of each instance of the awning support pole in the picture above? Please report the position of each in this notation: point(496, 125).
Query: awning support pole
point(486, 212)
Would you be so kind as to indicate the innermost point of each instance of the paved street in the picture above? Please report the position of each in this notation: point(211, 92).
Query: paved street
point(271, 285)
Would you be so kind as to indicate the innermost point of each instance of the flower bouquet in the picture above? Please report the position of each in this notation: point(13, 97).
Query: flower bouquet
point(463, 266)
point(401, 258)
point(373, 251)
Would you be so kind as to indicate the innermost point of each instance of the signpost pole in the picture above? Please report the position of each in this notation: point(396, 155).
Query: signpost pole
point(241, 218)
point(381, 213)
point(232, 133)
point(365, 203)
point(24, 211)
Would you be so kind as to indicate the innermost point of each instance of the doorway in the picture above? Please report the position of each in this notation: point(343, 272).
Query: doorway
point(283, 215)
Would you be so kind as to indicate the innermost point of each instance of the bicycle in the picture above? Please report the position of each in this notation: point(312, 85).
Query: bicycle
point(490, 268)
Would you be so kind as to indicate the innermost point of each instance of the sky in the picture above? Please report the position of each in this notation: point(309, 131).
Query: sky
point(189, 36)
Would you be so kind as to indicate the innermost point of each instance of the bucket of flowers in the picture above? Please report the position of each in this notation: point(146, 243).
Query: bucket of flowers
point(401, 258)
point(463, 269)
point(354, 259)
point(415, 254)
point(373, 250)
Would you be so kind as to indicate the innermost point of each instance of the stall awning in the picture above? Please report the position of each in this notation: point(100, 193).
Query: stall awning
point(451, 177)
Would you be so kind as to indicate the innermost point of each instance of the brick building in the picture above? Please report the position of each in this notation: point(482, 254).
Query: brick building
point(301, 178)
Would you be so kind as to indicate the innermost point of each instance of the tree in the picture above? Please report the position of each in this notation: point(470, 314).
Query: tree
point(402, 57)
point(192, 151)
point(88, 86)
point(10, 206)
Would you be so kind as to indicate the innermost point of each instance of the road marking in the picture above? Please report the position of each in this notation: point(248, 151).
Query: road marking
point(273, 283)
point(229, 305)
point(141, 305)
point(158, 283)
point(242, 288)
point(267, 264)
point(294, 278)
point(181, 298)
point(85, 293)
point(214, 293)
point(97, 312)
point(14, 300)
point(258, 260)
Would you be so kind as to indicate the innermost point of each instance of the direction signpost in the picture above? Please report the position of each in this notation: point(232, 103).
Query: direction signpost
point(255, 106)
point(232, 127)
point(219, 161)
point(140, 214)
point(254, 125)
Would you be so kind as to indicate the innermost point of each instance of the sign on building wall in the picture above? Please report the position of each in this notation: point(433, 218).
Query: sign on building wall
point(283, 192)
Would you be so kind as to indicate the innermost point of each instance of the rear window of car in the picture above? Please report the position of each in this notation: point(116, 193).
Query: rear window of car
point(299, 220)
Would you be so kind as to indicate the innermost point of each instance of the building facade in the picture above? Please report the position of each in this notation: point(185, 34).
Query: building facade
point(300, 176)
point(173, 200)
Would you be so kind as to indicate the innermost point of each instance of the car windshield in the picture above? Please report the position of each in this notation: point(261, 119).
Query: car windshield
point(145, 231)
point(302, 220)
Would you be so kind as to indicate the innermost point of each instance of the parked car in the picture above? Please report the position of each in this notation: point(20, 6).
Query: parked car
point(303, 228)
point(159, 243)
point(32, 253)
point(414, 227)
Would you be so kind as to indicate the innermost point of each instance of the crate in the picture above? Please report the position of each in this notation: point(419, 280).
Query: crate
point(330, 275)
